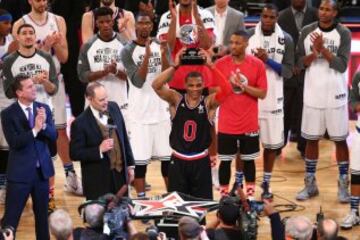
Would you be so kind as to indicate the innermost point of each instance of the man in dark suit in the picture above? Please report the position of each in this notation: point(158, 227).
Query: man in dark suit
point(292, 20)
point(29, 129)
point(99, 141)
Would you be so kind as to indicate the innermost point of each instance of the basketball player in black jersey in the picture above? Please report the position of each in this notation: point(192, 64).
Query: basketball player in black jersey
point(192, 118)
point(124, 22)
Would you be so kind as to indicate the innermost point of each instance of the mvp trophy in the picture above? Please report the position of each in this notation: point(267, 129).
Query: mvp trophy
point(189, 37)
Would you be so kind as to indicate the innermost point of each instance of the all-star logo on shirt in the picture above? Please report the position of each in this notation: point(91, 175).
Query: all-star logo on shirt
point(201, 109)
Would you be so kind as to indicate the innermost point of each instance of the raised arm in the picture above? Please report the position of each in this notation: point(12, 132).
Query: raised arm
point(16, 26)
point(205, 40)
point(160, 83)
point(171, 34)
point(224, 87)
point(87, 30)
point(61, 46)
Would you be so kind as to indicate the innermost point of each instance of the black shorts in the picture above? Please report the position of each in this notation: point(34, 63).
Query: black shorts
point(246, 144)
point(192, 177)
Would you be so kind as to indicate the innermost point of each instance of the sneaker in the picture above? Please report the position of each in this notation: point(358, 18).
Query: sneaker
point(52, 205)
point(215, 178)
point(266, 194)
point(343, 190)
point(2, 195)
point(350, 220)
point(310, 190)
point(73, 184)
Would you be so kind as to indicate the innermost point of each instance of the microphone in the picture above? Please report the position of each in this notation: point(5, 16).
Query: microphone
point(110, 125)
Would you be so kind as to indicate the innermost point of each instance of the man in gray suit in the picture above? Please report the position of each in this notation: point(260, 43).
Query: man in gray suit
point(292, 20)
point(227, 21)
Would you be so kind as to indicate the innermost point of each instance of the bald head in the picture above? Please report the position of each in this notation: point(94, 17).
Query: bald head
point(94, 215)
point(327, 229)
point(299, 227)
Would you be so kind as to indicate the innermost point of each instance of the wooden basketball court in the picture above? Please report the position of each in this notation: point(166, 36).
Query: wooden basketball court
point(287, 180)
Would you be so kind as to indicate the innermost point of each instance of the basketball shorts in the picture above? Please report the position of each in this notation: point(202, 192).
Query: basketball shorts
point(272, 132)
point(315, 122)
point(149, 141)
point(192, 177)
point(59, 104)
point(355, 152)
point(247, 145)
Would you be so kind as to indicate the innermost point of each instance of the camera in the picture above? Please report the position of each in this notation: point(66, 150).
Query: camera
point(152, 232)
point(6, 231)
point(257, 206)
point(116, 219)
point(247, 219)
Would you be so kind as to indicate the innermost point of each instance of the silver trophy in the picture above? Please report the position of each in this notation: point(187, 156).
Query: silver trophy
point(189, 37)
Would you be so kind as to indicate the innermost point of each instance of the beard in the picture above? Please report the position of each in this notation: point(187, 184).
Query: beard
point(185, 4)
point(107, 3)
point(28, 46)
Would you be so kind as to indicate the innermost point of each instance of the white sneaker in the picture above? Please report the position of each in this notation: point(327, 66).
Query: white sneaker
point(2, 195)
point(73, 184)
point(350, 220)
point(215, 178)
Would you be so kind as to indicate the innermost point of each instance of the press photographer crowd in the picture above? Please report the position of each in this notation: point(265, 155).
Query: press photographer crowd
point(115, 84)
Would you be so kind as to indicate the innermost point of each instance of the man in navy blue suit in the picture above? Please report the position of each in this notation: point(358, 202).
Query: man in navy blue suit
point(99, 141)
point(28, 128)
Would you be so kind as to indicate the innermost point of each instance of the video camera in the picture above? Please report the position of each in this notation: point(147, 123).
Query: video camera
point(247, 216)
point(6, 231)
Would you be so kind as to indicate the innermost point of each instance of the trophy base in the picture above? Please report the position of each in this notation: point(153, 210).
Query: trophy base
point(191, 57)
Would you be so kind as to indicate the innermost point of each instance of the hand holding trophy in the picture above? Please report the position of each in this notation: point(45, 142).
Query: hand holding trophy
point(189, 37)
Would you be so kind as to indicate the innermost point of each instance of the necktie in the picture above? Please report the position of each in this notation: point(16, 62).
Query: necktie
point(298, 19)
point(30, 117)
point(32, 124)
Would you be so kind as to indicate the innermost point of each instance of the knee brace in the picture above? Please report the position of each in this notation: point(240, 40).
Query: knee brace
point(165, 168)
point(355, 179)
point(224, 172)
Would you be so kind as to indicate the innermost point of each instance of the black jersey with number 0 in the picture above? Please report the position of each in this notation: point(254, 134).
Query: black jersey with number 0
point(190, 133)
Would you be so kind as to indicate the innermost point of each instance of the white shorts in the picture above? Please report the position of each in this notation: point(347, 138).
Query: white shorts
point(272, 132)
point(355, 152)
point(316, 121)
point(149, 141)
point(59, 102)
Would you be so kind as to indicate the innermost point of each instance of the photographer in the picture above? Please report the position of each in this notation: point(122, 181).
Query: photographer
point(61, 225)
point(299, 227)
point(190, 229)
point(107, 218)
point(93, 216)
point(227, 226)
point(327, 229)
